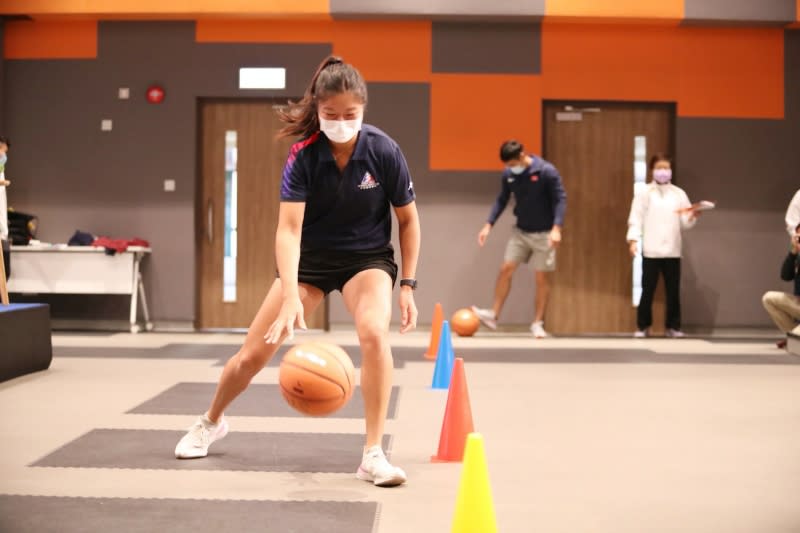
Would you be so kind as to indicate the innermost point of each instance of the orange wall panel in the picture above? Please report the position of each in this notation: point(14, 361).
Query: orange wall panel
point(637, 9)
point(472, 114)
point(609, 62)
point(731, 72)
point(381, 50)
point(50, 39)
point(104, 8)
point(386, 51)
point(264, 31)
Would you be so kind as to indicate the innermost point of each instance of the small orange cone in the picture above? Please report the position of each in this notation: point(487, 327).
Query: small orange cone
point(457, 423)
point(436, 331)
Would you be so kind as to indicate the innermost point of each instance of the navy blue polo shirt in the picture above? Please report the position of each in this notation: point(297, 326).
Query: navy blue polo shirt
point(541, 201)
point(348, 210)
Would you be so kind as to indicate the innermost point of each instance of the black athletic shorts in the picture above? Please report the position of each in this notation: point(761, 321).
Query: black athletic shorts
point(329, 270)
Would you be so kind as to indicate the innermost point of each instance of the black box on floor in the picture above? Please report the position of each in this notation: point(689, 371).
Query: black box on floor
point(25, 343)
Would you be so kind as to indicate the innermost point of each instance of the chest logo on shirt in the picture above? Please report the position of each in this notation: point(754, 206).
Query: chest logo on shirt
point(534, 177)
point(368, 182)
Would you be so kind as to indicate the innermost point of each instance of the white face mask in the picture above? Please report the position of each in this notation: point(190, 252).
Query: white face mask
point(340, 131)
point(662, 175)
point(517, 169)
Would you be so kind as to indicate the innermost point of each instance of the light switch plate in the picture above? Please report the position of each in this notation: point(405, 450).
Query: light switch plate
point(105, 124)
point(169, 185)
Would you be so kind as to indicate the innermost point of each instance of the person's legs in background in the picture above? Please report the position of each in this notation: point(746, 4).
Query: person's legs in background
point(671, 267)
point(644, 312)
point(517, 251)
point(784, 309)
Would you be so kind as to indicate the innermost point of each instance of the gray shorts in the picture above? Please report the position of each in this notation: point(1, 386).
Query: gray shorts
point(523, 244)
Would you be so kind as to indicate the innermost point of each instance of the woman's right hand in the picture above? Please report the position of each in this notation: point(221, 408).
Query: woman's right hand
point(633, 248)
point(483, 233)
point(290, 314)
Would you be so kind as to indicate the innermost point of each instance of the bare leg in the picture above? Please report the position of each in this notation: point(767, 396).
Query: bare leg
point(368, 297)
point(542, 294)
point(503, 286)
point(255, 353)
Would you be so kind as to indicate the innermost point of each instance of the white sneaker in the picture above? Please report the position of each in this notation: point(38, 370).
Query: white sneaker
point(640, 334)
point(486, 316)
point(200, 436)
point(537, 328)
point(675, 333)
point(375, 468)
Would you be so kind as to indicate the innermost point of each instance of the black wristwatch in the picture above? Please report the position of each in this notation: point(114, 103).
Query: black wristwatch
point(409, 283)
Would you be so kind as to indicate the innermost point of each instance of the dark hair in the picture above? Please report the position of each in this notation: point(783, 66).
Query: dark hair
point(658, 157)
point(510, 150)
point(4, 140)
point(333, 76)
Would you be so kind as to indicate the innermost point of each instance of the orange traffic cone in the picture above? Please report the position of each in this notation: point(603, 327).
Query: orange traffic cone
point(436, 331)
point(457, 423)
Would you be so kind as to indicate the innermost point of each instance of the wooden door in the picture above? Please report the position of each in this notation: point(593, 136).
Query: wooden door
point(592, 145)
point(237, 213)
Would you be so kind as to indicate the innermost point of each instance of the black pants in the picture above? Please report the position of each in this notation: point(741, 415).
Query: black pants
point(651, 268)
point(7, 257)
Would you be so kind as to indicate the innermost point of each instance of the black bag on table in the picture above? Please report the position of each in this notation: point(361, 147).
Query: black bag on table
point(21, 227)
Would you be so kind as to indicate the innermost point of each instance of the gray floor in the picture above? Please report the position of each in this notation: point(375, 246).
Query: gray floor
point(581, 435)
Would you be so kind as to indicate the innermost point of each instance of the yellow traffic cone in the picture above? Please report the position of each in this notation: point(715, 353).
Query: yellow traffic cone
point(474, 507)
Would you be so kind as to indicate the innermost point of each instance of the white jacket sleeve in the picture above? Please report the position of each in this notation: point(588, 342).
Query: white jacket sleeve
point(636, 216)
point(3, 211)
point(687, 221)
point(793, 213)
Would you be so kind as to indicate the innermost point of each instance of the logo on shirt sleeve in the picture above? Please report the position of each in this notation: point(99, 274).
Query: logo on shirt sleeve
point(368, 182)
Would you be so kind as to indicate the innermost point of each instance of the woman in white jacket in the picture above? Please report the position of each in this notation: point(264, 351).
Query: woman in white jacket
point(658, 215)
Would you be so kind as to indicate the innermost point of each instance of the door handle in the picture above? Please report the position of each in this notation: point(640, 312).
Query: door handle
point(210, 221)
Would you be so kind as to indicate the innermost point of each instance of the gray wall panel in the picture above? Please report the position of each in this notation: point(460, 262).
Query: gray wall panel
point(750, 168)
point(486, 48)
point(500, 9)
point(740, 10)
point(73, 176)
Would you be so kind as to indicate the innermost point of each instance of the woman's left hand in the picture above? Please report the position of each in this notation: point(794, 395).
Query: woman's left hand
point(408, 310)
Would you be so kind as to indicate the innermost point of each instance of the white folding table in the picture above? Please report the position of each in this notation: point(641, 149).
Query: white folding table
point(62, 269)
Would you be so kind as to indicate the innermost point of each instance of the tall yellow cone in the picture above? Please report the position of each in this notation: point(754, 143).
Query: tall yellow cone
point(474, 507)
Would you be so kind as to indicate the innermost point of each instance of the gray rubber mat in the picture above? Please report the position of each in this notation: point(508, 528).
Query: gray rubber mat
point(240, 451)
point(48, 514)
point(258, 400)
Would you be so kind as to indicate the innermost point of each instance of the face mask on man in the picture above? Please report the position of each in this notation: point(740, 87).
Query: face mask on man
point(517, 169)
point(340, 131)
point(662, 176)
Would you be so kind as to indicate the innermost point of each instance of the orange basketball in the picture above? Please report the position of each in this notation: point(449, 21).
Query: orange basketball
point(316, 378)
point(465, 322)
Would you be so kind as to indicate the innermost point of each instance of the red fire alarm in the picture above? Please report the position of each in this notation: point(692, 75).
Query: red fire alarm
point(155, 94)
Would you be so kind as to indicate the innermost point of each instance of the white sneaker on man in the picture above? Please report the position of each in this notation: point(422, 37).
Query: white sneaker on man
point(537, 329)
point(486, 316)
point(675, 334)
point(199, 437)
point(377, 469)
point(640, 334)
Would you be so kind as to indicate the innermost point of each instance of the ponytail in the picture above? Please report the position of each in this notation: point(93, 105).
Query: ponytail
point(333, 76)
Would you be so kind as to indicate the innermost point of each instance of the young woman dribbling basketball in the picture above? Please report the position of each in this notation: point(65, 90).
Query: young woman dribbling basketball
point(334, 231)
